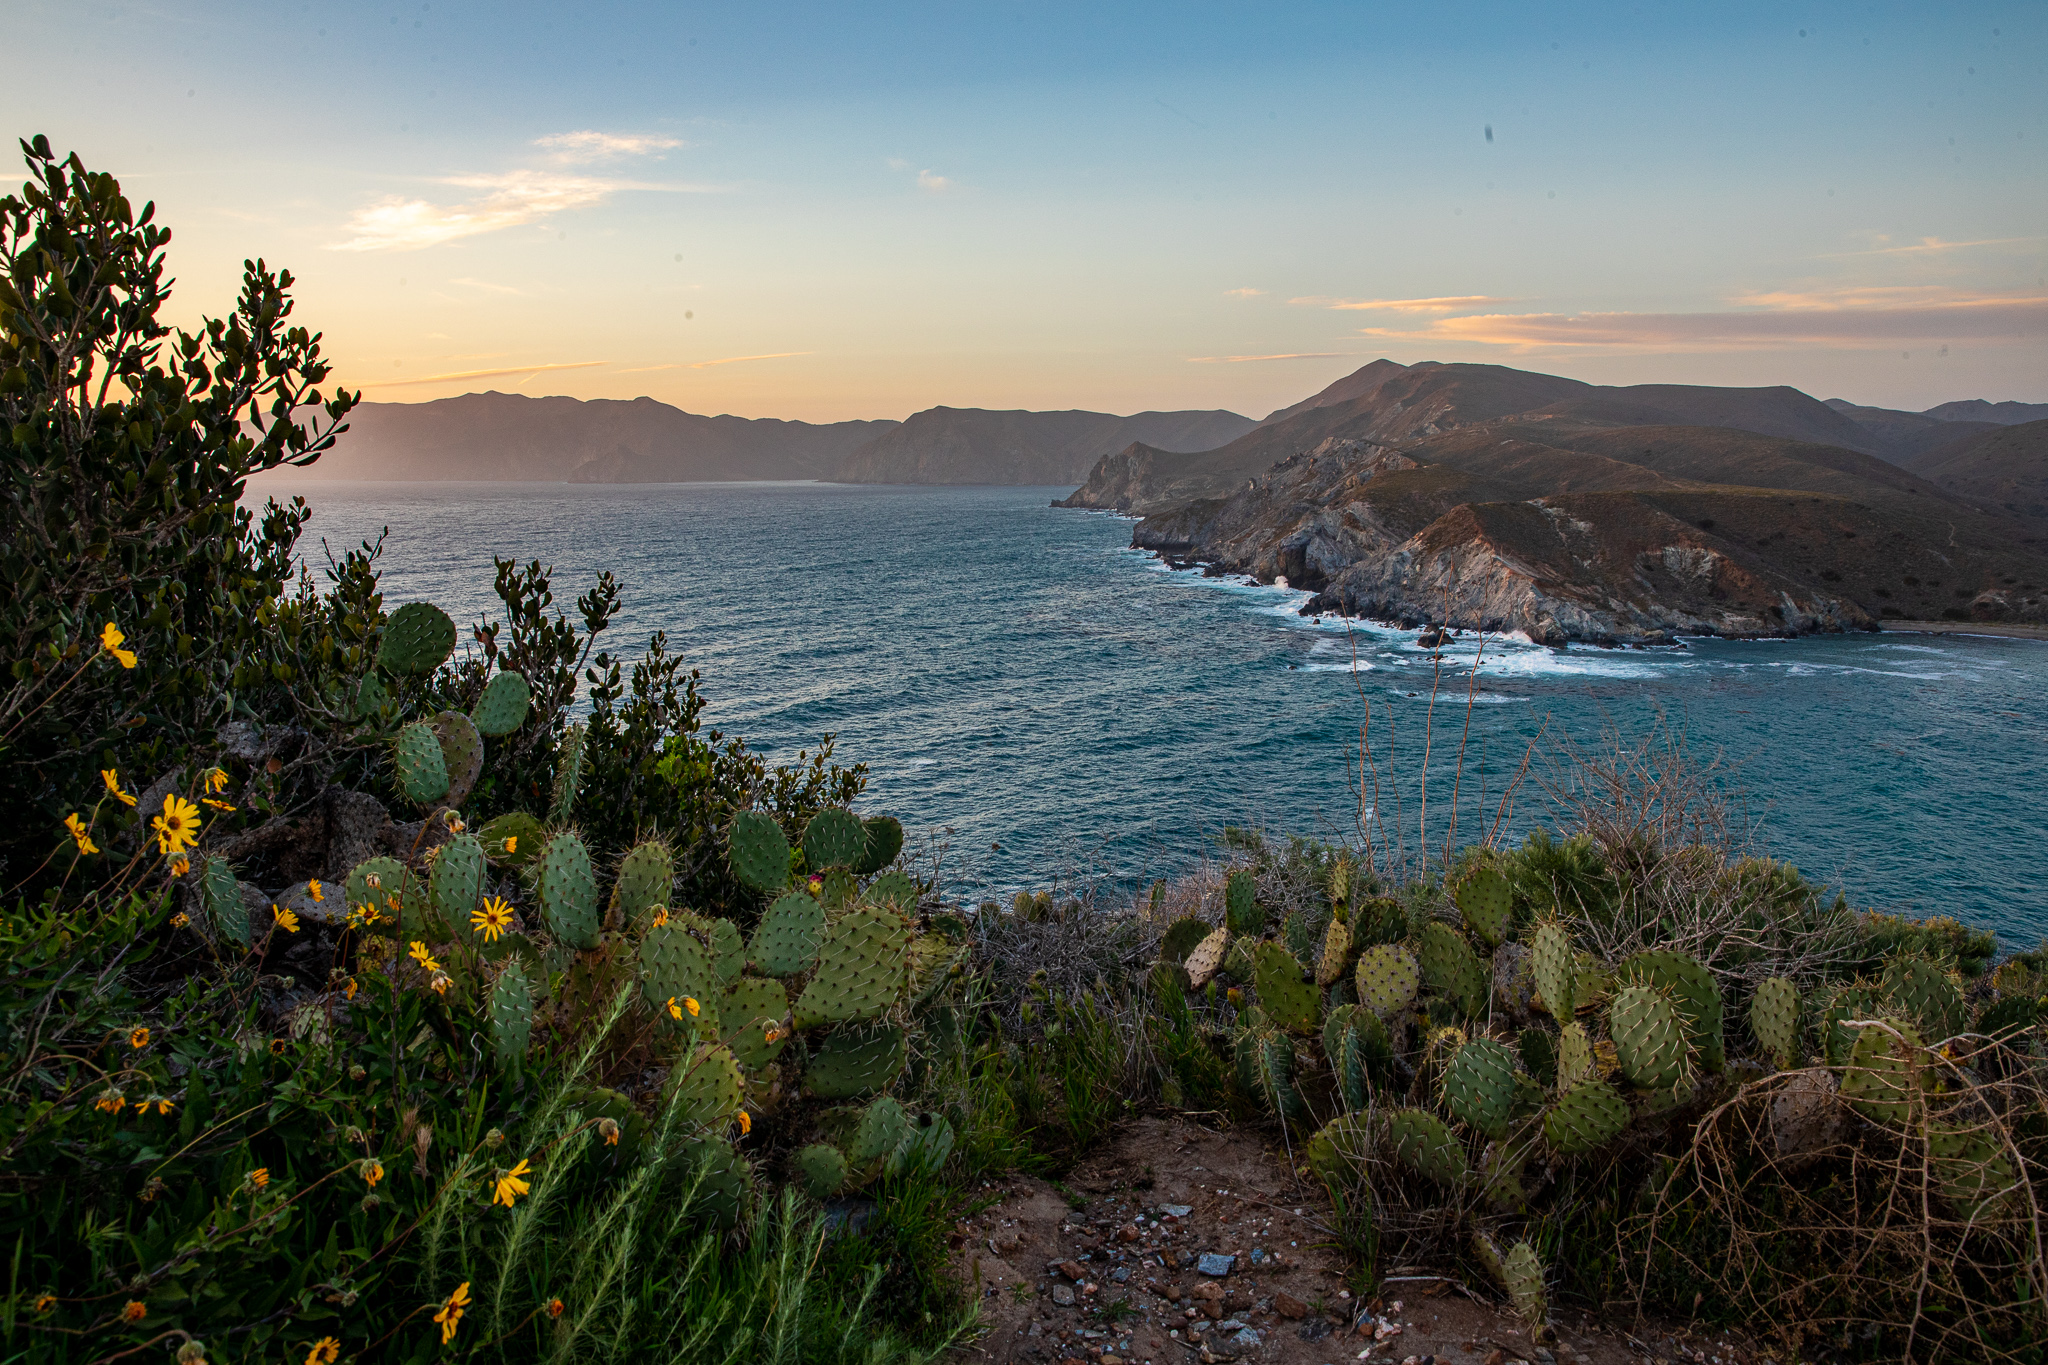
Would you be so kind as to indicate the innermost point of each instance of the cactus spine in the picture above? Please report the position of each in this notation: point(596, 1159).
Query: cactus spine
point(568, 892)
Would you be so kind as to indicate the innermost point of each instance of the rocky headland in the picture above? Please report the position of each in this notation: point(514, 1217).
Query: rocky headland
point(1488, 498)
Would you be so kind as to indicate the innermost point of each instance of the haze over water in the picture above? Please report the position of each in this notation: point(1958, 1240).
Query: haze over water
point(1066, 705)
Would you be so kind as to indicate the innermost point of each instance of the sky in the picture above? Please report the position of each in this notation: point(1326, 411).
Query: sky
point(842, 211)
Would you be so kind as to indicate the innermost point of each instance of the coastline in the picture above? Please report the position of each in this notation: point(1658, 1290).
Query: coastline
point(2011, 632)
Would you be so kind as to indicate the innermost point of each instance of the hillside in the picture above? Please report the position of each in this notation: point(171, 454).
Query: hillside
point(1902, 436)
point(511, 438)
point(979, 446)
point(1496, 498)
point(2000, 469)
point(2006, 414)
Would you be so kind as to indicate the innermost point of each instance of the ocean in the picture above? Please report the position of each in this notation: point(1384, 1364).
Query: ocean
point(1045, 707)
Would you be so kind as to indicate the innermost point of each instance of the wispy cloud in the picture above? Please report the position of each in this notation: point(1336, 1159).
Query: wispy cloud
point(487, 286)
point(1242, 293)
point(583, 147)
point(1244, 359)
point(1869, 318)
point(480, 374)
point(509, 199)
point(1445, 304)
point(931, 180)
point(1926, 246)
point(736, 359)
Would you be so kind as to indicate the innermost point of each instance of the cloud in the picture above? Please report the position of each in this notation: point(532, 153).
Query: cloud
point(480, 374)
point(736, 359)
point(1867, 318)
point(1242, 293)
point(579, 148)
point(509, 199)
point(926, 180)
point(1927, 246)
point(487, 286)
point(1446, 304)
point(1242, 359)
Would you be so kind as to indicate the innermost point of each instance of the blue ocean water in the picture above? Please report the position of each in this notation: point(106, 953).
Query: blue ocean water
point(1048, 703)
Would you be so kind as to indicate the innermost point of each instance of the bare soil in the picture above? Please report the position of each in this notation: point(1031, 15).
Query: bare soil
point(1103, 1269)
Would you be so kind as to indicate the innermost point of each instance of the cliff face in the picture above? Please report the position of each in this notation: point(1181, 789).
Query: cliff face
point(978, 446)
point(1574, 518)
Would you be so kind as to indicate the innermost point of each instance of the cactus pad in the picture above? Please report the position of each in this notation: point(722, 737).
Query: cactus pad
point(517, 826)
point(221, 895)
point(833, 838)
point(1335, 957)
point(1922, 992)
point(856, 1061)
point(398, 896)
point(927, 1145)
point(1586, 1116)
point(1181, 938)
point(1340, 880)
point(1207, 958)
point(568, 892)
point(511, 1014)
point(705, 1086)
point(891, 888)
point(881, 1131)
point(417, 763)
point(1574, 1056)
point(721, 1185)
point(1539, 1054)
point(675, 965)
point(751, 1007)
point(1693, 989)
point(1339, 1151)
point(1451, 968)
point(1479, 1086)
point(1290, 1002)
point(1522, 1277)
point(787, 939)
point(569, 763)
point(456, 883)
point(1883, 1078)
point(822, 1168)
point(1272, 1066)
point(418, 638)
point(1774, 1019)
point(1388, 978)
point(646, 879)
point(1487, 902)
point(757, 850)
point(881, 841)
point(1649, 1037)
point(372, 697)
point(462, 751)
point(503, 706)
point(1972, 1170)
point(861, 969)
point(1552, 965)
point(1241, 905)
point(1425, 1145)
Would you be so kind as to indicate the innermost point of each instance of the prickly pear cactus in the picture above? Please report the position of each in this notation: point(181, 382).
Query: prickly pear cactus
point(372, 697)
point(856, 1060)
point(1340, 1150)
point(568, 892)
point(513, 838)
point(1774, 1019)
point(927, 1146)
point(721, 1185)
point(462, 753)
point(398, 896)
point(1649, 1038)
point(822, 1168)
point(1883, 1079)
point(758, 851)
point(417, 762)
point(1335, 958)
point(1271, 1059)
point(881, 841)
point(752, 1017)
point(1207, 958)
point(418, 638)
point(568, 775)
point(676, 965)
point(861, 969)
point(1289, 1001)
point(892, 888)
point(1451, 968)
point(1388, 978)
point(1972, 1170)
point(503, 706)
point(705, 1085)
point(1425, 1145)
point(456, 883)
point(1522, 1276)
point(1486, 900)
point(787, 939)
point(1479, 1086)
point(833, 838)
point(1538, 1049)
point(881, 1131)
point(1845, 1003)
point(1923, 993)
point(646, 876)
point(1693, 989)
point(1241, 906)
point(1181, 938)
point(221, 895)
point(1552, 964)
point(511, 1014)
point(1586, 1116)
point(1574, 1056)
point(728, 951)
point(1340, 880)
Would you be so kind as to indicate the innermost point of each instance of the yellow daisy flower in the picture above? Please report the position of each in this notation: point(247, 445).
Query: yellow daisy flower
point(511, 843)
point(554, 1308)
point(746, 1123)
point(450, 1315)
point(180, 866)
point(418, 952)
point(492, 918)
point(110, 1103)
point(313, 890)
point(180, 920)
point(675, 1011)
point(78, 833)
point(373, 1171)
point(215, 780)
point(113, 781)
point(177, 829)
point(512, 1184)
point(259, 1177)
point(350, 993)
point(660, 915)
point(217, 805)
point(110, 641)
point(325, 1352)
point(135, 1310)
point(440, 983)
point(286, 920)
point(46, 1302)
point(138, 1037)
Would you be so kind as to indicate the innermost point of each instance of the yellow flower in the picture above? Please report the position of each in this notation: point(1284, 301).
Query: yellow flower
point(138, 1037)
point(451, 1312)
point(180, 920)
point(46, 1302)
point(746, 1123)
point(690, 1004)
point(660, 915)
point(85, 843)
point(554, 1308)
point(180, 865)
point(163, 1106)
point(492, 918)
point(110, 641)
point(350, 993)
point(110, 1103)
point(511, 843)
point(325, 1352)
point(177, 829)
point(313, 890)
point(217, 805)
point(373, 880)
point(373, 1171)
point(113, 781)
point(418, 952)
point(609, 1128)
point(215, 780)
point(675, 1011)
point(286, 920)
point(454, 822)
point(440, 983)
point(511, 1185)
point(770, 1034)
point(259, 1177)
point(277, 1046)
point(135, 1311)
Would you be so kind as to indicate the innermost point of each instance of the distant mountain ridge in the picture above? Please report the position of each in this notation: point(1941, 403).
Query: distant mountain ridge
point(980, 446)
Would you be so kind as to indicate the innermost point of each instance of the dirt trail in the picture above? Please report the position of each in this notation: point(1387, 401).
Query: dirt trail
point(1121, 1280)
